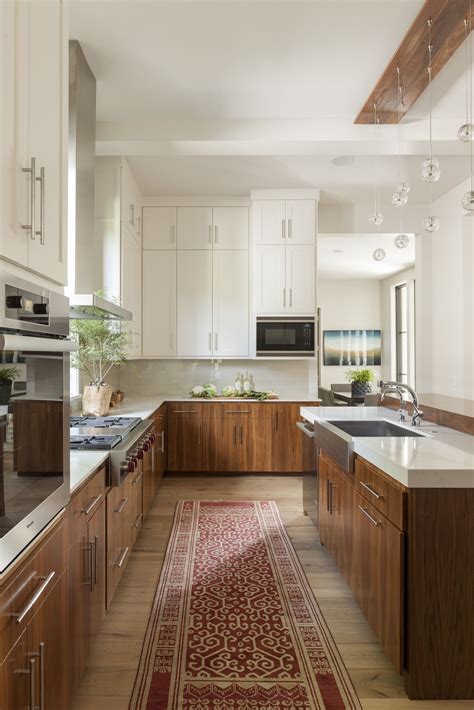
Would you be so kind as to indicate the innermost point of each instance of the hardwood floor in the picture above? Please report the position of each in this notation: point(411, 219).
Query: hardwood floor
point(108, 680)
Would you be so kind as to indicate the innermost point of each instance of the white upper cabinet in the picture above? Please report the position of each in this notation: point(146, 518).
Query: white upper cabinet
point(230, 227)
point(195, 333)
point(33, 163)
point(159, 227)
point(300, 279)
point(130, 202)
point(230, 303)
point(300, 221)
point(194, 227)
point(270, 285)
point(269, 221)
point(131, 291)
point(159, 303)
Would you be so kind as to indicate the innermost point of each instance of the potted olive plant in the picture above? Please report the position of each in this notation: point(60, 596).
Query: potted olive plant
point(101, 346)
point(360, 380)
point(7, 375)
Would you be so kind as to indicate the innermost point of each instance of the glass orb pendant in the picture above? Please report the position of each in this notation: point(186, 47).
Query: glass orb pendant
point(379, 254)
point(430, 171)
point(468, 201)
point(376, 218)
point(399, 199)
point(401, 241)
point(466, 132)
point(432, 223)
point(403, 187)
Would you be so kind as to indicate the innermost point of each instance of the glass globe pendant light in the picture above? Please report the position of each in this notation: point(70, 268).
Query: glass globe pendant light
point(402, 240)
point(376, 217)
point(379, 254)
point(430, 170)
point(465, 132)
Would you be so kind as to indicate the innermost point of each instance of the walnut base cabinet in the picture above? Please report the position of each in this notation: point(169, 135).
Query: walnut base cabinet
point(33, 627)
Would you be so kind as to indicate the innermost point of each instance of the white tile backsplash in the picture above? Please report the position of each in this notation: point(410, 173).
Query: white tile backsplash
point(289, 378)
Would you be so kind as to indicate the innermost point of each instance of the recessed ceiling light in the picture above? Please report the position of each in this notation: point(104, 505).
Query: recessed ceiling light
point(344, 160)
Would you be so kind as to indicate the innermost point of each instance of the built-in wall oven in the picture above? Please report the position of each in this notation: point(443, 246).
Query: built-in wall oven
point(287, 337)
point(34, 415)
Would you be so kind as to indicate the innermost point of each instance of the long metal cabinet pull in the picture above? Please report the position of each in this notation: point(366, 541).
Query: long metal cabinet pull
point(91, 567)
point(210, 342)
point(31, 226)
point(328, 494)
point(284, 298)
point(290, 228)
point(34, 599)
point(210, 234)
point(122, 557)
point(283, 232)
point(162, 442)
point(185, 411)
point(122, 505)
point(96, 544)
point(371, 490)
point(291, 297)
point(40, 231)
point(32, 683)
point(138, 478)
point(241, 435)
point(235, 434)
point(368, 515)
point(215, 341)
point(92, 504)
point(216, 235)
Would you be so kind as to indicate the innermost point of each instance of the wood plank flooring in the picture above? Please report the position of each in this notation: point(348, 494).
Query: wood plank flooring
point(108, 680)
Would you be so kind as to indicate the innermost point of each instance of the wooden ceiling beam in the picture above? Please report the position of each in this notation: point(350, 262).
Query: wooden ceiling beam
point(447, 34)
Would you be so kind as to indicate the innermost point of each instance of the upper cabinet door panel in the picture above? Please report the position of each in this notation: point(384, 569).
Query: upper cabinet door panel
point(159, 227)
point(159, 308)
point(194, 303)
point(47, 135)
point(301, 221)
point(231, 303)
point(131, 278)
point(300, 279)
point(269, 219)
point(194, 227)
point(231, 227)
point(270, 291)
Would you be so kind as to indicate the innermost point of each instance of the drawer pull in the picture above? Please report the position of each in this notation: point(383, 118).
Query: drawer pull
point(185, 411)
point(237, 411)
point(92, 505)
point(122, 505)
point(371, 490)
point(138, 478)
point(368, 515)
point(138, 520)
point(34, 599)
point(122, 557)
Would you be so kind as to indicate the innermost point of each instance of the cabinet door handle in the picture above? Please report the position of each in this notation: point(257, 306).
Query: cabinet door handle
point(290, 228)
point(371, 490)
point(215, 341)
point(283, 228)
point(284, 298)
point(90, 580)
point(137, 522)
point(185, 411)
point(40, 231)
point(235, 434)
point(34, 599)
point(173, 234)
point(210, 342)
point(216, 235)
point(131, 215)
point(328, 493)
point(32, 683)
point(92, 505)
point(31, 226)
point(96, 545)
point(122, 557)
point(138, 478)
point(241, 435)
point(210, 234)
point(276, 421)
point(368, 515)
point(291, 297)
point(240, 411)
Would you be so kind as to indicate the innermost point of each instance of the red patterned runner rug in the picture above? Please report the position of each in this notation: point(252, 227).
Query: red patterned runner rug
point(234, 624)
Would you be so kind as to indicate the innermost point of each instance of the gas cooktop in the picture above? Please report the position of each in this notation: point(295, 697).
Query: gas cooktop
point(99, 443)
point(104, 422)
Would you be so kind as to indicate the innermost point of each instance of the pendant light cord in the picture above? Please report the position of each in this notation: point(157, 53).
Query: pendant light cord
point(469, 94)
point(400, 141)
point(430, 53)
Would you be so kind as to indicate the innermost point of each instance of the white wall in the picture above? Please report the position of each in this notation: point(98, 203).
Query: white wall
point(388, 320)
point(445, 301)
point(348, 305)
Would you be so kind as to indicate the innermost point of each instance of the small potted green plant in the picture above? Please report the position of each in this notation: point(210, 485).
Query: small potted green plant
point(360, 380)
point(7, 375)
point(102, 345)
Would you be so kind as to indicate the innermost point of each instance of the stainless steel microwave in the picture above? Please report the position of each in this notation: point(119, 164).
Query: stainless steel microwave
point(285, 337)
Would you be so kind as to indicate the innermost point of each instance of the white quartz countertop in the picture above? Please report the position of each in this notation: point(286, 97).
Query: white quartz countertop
point(84, 463)
point(443, 459)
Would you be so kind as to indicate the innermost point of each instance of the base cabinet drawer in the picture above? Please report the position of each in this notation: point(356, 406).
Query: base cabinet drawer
point(118, 552)
point(385, 495)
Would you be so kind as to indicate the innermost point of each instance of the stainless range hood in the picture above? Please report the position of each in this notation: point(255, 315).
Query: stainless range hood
point(85, 260)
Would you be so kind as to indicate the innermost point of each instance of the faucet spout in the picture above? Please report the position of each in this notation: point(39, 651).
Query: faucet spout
point(400, 388)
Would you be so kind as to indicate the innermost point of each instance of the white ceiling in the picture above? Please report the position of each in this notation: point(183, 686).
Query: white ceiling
point(349, 256)
point(225, 96)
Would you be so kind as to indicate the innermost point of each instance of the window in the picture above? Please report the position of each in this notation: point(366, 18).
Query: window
point(401, 332)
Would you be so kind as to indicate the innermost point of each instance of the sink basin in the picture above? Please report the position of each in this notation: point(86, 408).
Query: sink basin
point(378, 427)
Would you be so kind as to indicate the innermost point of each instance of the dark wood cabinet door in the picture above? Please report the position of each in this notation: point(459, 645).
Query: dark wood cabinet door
point(15, 677)
point(185, 444)
point(47, 640)
point(79, 575)
point(149, 485)
point(97, 542)
point(342, 519)
point(255, 436)
point(160, 444)
point(222, 445)
point(326, 527)
point(378, 578)
point(287, 445)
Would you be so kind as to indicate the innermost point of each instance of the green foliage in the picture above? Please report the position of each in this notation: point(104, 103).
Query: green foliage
point(9, 373)
point(101, 345)
point(361, 375)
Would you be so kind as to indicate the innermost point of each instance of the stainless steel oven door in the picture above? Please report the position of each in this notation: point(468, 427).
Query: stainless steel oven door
point(34, 439)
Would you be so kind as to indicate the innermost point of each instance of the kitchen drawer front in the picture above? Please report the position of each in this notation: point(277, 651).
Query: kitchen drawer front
point(28, 589)
point(240, 410)
point(85, 502)
point(118, 552)
point(119, 504)
point(135, 516)
point(386, 496)
point(185, 410)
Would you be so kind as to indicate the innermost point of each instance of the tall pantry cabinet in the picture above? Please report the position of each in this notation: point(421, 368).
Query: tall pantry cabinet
point(33, 136)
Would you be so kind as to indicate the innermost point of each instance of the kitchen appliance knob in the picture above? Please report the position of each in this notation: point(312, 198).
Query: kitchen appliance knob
point(14, 302)
point(40, 309)
point(124, 467)
point(146, 445)
point(152, 439)
point(140, 454)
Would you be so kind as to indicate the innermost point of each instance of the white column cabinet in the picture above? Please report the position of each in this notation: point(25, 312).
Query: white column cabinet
point(300, 279)
point(230, 303)
point(270, 275)
point(194, 303)
point(131, 280)
point(300, 221)
point(33, 163)
point(194, 227)
point(212, 227)
point(159, 228)
point(159, 303)
point(284, 221)
point(285, 279)
point(230, 227)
